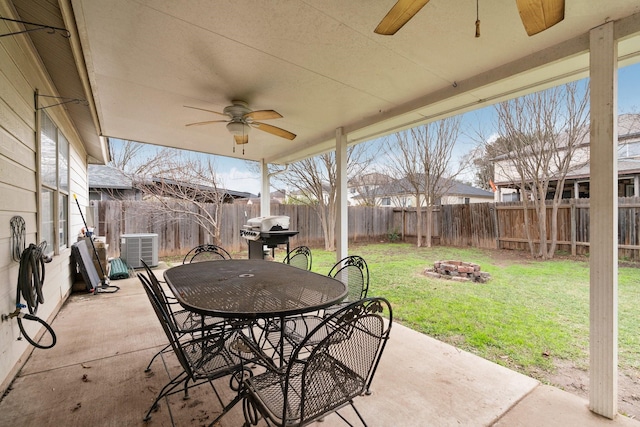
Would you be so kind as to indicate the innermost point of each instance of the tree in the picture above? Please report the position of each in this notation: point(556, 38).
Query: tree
point(482, 161)
point(421, 159)
point(539, 136)
point(314, 182)
point(137, 159)
point(366, 187)
point(184, 184)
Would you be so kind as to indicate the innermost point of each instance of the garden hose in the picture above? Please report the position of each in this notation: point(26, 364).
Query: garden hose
point(30, 281)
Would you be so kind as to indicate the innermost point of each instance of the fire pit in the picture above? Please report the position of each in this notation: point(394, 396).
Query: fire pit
point(458, 271)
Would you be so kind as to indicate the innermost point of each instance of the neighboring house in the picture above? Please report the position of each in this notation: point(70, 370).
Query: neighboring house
point(362, 189)
point(397, 194)
point(110, 183)
point(577, 180)
point(199, 192)
point(278, 196)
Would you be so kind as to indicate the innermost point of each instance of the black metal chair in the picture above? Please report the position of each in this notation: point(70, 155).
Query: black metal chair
point(354, 273)
point(202, 359)
point(206, 253)
point(183, 321)
point(299, 257)
point(323, 377)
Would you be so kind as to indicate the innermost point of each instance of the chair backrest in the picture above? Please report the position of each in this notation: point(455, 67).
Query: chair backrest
point(156, 286)
point(342, 365)
point(202, 357)
point(354, 273)
point(206, 253)
point(299, 257)
point(166, 321)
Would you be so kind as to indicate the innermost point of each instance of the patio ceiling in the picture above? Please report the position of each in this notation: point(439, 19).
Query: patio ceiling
point(319, 64)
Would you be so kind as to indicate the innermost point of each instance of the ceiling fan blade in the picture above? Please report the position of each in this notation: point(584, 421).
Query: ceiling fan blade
point(263, 115)
point(208, 122)
point(538, 15)
point(273, 130)
point(208, 111)
point(399, 15)
point(241, 139)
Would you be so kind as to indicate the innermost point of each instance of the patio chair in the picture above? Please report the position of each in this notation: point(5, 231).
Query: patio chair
point(354, 273)
point(338, 368)
point(183, 321)
point(202, 359)
point(299, 257)
point(206, 253)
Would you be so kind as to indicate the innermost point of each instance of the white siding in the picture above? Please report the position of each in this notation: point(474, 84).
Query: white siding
point(21, 74)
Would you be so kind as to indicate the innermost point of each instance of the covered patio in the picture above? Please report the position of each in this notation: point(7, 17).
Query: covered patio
point(95, 376)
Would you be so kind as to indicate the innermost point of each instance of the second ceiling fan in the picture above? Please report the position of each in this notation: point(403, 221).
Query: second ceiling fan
point(536, 15)
point(241, 119)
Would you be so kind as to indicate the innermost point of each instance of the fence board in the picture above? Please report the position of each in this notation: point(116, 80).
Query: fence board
point(481, 225)
point(177, 233)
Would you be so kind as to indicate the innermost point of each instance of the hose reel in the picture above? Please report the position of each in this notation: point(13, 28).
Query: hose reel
point(30, 280)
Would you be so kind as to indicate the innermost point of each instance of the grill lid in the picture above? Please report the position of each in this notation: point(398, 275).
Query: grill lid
point(269, 223)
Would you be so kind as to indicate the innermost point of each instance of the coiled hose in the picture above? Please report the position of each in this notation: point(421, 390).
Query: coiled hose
point(30, 281)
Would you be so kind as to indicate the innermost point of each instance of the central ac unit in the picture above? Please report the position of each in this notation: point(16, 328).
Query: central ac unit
point(134, 247)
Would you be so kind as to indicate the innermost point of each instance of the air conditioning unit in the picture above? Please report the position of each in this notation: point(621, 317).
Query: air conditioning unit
point(134, 247)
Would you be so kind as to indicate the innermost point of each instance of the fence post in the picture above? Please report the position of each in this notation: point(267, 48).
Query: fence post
point(572, 203)
point(494, 208)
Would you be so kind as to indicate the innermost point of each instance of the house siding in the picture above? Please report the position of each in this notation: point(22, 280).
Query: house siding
point(21, 75)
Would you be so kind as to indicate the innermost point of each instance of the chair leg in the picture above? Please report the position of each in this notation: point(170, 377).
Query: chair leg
point(166, 390)
point(358, 414)
point(148, 369)
point(186, 390)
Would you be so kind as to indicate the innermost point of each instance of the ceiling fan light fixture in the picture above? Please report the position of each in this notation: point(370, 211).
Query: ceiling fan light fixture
point(238, 128)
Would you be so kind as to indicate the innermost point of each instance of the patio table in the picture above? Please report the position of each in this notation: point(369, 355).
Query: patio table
point(250, 289)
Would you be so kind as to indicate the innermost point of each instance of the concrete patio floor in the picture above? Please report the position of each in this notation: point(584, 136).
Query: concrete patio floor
point(94, 376)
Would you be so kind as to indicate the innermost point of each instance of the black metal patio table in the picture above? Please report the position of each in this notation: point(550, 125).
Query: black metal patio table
point(251, 289)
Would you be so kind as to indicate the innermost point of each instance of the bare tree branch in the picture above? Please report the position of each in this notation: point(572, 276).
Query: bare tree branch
point(540, 136)
point(421, 159)
point(314, 182)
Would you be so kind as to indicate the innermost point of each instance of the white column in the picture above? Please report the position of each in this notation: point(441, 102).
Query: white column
point(342, 221)
point(265, 192)
point(603, 259)
point(576, 190)
point(636, 186)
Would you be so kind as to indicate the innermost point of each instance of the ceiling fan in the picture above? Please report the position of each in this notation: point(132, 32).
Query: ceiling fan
point(240, 120)
point(536, 15)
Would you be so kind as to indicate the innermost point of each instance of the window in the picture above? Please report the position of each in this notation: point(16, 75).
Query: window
point(386, 201)
point(54, 176)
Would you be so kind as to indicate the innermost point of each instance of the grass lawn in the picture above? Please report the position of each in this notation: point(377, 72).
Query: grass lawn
point(527, 315)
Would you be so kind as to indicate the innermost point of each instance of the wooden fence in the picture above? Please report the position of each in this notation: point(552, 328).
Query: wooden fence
point(179, 233)
point(481, 225)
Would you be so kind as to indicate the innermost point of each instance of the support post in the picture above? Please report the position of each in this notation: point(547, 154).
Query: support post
point(342, 219)
point(265, 192)
point(603, 258)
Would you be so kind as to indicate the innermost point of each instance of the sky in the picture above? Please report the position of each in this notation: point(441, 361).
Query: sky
point(237, 174)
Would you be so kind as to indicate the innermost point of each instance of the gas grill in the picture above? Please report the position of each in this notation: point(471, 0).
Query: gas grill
point(266, 231)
